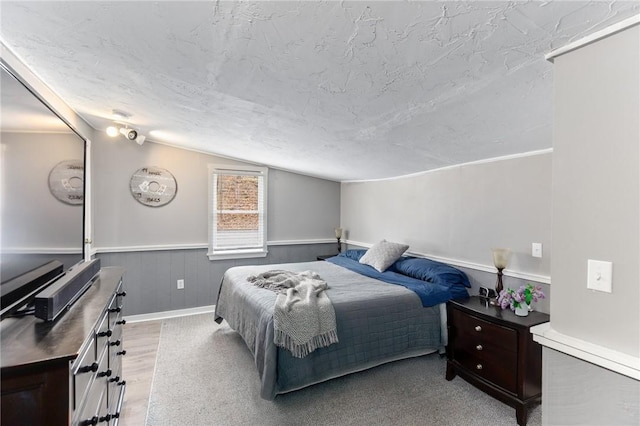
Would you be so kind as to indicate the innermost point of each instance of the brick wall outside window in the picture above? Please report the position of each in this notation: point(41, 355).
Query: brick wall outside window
point(237, 193)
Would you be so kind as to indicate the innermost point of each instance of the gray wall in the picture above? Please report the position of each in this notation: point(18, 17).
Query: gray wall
point(596, 191)
point(27, 160)
point(150, 276)
point(36, 226)
point(575, 392)
point(299, 207)
point(144, 239)
point(596, 215)
point(460, 213)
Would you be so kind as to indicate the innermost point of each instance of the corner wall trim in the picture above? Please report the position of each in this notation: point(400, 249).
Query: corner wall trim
point(591, 38)
point(170, 314)
point(619, 362)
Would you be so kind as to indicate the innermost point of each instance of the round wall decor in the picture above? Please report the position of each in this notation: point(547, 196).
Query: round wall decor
point(153, 186)
point(66, 182)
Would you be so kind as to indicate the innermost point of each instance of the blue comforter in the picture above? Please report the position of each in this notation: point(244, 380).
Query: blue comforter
point(430, 293)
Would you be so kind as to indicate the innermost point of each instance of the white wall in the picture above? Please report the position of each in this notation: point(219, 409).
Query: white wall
point(596, 191)
point(460, 213)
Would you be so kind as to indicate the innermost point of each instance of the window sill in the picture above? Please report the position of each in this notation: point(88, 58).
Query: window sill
point(236, 254)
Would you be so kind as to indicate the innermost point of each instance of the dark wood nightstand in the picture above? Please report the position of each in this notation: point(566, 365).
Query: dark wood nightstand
point(493, 349)
point(325, 256)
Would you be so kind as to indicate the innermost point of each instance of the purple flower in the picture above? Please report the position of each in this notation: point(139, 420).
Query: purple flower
point(524, 295)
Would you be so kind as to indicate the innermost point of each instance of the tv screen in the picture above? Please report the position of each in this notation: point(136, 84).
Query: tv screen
point(42, 186)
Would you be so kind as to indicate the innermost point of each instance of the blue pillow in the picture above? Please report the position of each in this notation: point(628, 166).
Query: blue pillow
point(353, 254)
point(430, 270)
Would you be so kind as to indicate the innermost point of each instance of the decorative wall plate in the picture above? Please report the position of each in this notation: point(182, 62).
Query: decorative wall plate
point(153, 186)
point(66, 182)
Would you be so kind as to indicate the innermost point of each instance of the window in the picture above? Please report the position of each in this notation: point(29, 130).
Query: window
point(237, 212)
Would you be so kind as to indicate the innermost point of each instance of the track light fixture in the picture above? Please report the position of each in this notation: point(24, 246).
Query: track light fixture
point(128, 133)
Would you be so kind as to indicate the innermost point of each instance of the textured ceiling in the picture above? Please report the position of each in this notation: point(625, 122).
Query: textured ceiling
point(341, 90)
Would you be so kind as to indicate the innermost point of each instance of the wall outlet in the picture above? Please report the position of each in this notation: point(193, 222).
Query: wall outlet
point(536, 249)
point(180, 284)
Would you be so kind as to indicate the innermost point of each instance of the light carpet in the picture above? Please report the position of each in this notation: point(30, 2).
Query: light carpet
point(205, 376)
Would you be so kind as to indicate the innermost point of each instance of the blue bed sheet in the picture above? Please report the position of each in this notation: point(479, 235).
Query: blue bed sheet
point(430, 294)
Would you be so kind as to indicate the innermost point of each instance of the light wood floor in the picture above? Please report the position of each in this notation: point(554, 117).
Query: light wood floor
point(141, 343)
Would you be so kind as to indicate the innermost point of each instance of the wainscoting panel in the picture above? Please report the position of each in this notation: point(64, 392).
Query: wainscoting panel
point(577, 392)
point(151, 276)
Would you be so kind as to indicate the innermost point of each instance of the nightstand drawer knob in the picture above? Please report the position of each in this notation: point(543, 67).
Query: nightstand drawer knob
point(479, 347)
point(478, 328)
point(479, 367)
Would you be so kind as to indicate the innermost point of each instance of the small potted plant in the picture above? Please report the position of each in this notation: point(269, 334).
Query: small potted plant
point(520, 300)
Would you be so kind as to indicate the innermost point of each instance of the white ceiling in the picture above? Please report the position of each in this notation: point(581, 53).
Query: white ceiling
point(340, 90)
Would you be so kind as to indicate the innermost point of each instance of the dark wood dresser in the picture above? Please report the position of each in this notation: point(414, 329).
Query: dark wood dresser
point(493, 349)
point(68, 371)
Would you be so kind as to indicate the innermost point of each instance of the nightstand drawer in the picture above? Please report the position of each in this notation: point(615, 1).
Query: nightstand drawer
point(499, 370)
point(490, 336)
point(502, 373)
point(486, 349)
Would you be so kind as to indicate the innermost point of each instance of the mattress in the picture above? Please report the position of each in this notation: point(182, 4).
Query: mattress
point(377, 322)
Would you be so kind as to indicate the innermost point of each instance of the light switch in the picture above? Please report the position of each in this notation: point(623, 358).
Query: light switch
point(599, 275)
point(536, 249)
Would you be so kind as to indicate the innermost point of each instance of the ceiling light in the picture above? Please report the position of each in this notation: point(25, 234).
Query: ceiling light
point(112, 131)
point(129, 133)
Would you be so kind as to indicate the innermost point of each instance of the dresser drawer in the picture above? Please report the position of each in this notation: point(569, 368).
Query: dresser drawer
point(83, 371)
point(94, 399)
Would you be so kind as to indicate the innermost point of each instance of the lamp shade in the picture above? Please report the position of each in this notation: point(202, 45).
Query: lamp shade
point(501, 257)
point(338, 232)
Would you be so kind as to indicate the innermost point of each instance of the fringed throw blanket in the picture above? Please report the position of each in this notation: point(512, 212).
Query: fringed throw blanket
point(303, 316)
point(280, 280)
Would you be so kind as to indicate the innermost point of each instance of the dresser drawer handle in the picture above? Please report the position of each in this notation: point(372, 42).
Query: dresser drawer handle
point(89, 368)
point(105, 373)
point(116, 343)
point(479, 347)
point(122, 294)
point(89, 422)
point(107, 333)
point(123, 322)
point(478, 328)
point(479, 367)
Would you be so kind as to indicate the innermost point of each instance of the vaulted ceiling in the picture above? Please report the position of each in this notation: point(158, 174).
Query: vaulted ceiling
point(340, 90)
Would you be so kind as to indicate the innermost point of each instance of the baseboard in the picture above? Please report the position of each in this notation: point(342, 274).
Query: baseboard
point(170, 314)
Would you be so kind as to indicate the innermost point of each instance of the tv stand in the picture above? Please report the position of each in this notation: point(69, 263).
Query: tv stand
point(66, 371)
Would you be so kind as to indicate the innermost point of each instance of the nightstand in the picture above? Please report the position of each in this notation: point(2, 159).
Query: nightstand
point(493, 349)
point(325, 256)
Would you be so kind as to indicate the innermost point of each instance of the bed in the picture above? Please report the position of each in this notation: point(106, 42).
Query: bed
point(378, 320)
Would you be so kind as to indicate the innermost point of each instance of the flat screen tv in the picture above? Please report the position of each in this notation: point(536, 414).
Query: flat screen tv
point(42, 194)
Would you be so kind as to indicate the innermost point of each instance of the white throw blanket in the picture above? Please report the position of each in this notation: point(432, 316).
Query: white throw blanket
point(303, 316)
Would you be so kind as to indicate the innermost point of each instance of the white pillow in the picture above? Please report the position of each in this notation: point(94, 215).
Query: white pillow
point(382, 255)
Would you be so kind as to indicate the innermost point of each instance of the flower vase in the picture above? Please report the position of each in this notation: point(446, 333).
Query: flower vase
point(522, 310)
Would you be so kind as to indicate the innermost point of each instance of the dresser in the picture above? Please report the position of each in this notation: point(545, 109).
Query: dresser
point(493, 349)
point(67, 371)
